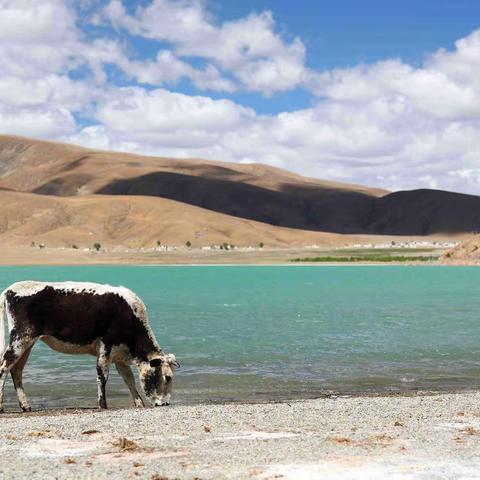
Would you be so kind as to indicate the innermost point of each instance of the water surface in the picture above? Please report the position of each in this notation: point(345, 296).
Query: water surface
point(246, 333)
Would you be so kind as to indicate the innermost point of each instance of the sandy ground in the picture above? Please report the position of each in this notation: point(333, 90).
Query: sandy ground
point(399, 437)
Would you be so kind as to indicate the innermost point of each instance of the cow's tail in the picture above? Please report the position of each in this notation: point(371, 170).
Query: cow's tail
point(2, 321)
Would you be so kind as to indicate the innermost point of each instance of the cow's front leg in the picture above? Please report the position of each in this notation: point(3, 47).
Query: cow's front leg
point(126, 373)
point(166, 391)
point(103, 366)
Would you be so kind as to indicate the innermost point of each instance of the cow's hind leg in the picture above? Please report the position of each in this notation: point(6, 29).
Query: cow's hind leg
point(126, 373)
point(17, 373)
point(2, 391)
point(17, 346)
point(103, 366)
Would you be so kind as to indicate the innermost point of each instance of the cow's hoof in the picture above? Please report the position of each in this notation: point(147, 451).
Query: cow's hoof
point(139, 404)
point(2, 411)
point(26, 409)
point(166, 404)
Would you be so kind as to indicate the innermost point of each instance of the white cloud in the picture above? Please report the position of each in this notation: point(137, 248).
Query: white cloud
point(169, 69)
point(36, 122)
point(248, 49)
point(160, 117)
point(447, 86)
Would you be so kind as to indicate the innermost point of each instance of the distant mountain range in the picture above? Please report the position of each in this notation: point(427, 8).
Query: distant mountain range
point(63, 194)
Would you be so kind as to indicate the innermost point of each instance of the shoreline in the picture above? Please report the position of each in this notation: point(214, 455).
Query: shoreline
point(15, 412)
point(375, 437)
point(29, 256)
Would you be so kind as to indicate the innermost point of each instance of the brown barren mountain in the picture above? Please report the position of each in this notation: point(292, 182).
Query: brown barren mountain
point(63, 194)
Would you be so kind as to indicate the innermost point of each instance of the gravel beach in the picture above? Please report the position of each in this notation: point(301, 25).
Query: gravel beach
point(396, 437)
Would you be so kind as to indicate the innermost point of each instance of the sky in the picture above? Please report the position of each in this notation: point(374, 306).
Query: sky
point(380, 93)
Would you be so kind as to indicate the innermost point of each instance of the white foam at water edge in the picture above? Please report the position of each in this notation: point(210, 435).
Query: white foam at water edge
point(356, 469)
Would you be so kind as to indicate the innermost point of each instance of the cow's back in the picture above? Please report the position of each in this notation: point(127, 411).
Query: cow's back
point(76, 312)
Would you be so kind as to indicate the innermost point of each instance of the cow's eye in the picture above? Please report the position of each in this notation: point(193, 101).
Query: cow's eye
point(156, 362)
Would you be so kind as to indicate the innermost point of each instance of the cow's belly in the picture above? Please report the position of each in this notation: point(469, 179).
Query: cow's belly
point(72, 348)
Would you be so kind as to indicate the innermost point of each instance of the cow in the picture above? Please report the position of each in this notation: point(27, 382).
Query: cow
point(84, 318)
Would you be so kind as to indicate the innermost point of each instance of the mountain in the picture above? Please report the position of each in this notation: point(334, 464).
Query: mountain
point(67, 194)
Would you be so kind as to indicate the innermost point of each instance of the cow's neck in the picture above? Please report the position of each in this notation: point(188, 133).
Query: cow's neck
point(145, 348)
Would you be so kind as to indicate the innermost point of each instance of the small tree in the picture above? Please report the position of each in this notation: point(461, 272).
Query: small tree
point(158, 243)
point(32, 244)
point(261, 245)
point(75, 247)
point(97, 246)
point(188, 244)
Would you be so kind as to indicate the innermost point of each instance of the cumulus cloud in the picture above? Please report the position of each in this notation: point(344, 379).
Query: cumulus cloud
point(247, 49)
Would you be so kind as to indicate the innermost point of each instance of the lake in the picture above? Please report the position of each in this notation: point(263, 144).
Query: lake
point(254, 333)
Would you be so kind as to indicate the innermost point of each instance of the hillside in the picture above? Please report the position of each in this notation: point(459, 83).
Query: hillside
point(64, 194)
point(132, 222)
point(467, 251)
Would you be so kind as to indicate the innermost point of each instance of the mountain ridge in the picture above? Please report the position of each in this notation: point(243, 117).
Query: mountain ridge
point(256, 201)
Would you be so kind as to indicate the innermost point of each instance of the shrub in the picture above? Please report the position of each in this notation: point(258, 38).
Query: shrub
point(188, 244)
point(261, 244)
point(97, 246)
point(75, 247)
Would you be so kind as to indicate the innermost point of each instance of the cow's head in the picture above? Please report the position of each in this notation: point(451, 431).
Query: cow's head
point(156, 378)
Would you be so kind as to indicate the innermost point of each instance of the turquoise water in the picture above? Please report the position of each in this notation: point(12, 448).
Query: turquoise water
point(275, 332)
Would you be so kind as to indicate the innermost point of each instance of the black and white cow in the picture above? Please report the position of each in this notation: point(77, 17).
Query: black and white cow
point(75, 317)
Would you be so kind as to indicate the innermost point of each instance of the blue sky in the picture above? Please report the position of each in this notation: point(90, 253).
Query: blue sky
point(347, 32)
point(375, 92)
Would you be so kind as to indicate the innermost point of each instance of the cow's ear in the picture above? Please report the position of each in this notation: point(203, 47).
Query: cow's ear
point(156, 362)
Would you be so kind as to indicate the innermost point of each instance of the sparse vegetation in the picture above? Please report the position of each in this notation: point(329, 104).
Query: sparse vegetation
point(97, 246)
point(371, 258)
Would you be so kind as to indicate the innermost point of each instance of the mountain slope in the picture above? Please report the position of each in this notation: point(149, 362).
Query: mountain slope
point(132, 222)
point(244, 204)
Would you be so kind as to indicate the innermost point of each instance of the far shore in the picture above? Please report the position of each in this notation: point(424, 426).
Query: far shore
point(412, 436)
point(25, 255)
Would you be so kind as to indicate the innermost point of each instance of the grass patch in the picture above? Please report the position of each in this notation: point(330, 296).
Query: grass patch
point(354, 252)
point(369, 258)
